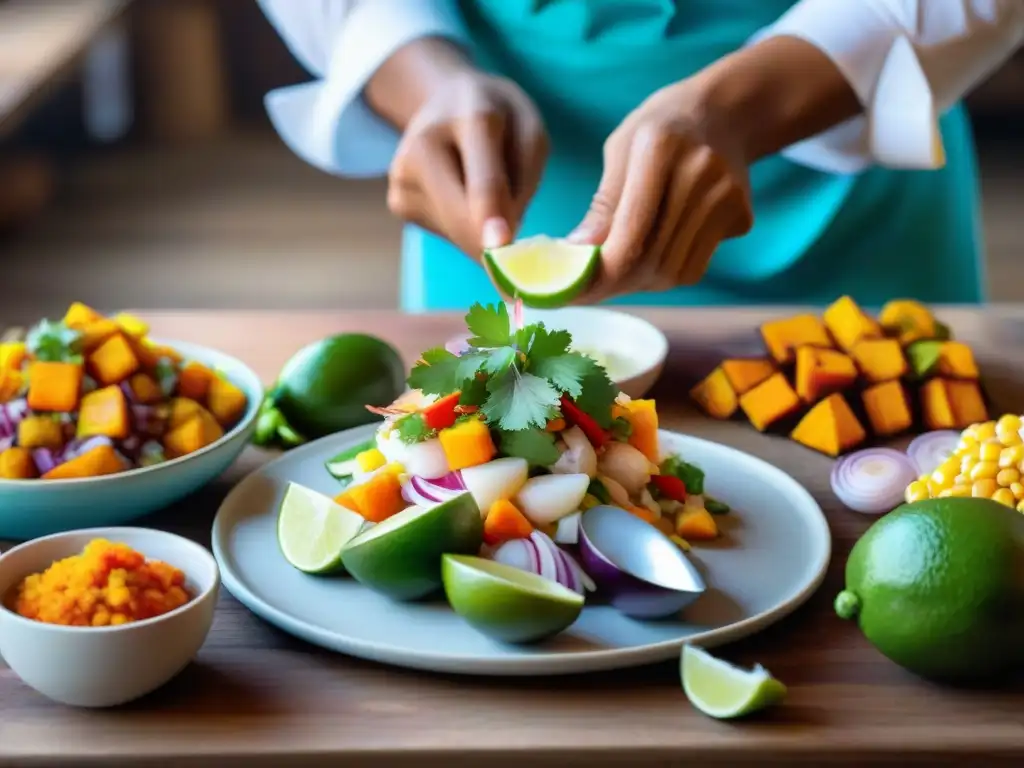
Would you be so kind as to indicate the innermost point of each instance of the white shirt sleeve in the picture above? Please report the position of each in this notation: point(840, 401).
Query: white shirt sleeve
point(342, 43)
point(908, 61)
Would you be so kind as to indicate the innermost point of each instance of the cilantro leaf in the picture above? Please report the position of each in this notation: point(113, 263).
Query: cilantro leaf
point(435, 374)
point(597, 396)
point(412, 428)
point(499, 360)
point(54, 342)
point(566, 372)
point(621, 429)
point(468, 365)
point(519, 401)
point(534, 445)
point(545, 343)
point(691, 475)
point(474, 392)
point(489, 325)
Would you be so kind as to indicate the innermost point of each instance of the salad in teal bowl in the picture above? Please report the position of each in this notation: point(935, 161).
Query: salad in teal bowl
point(101, 424)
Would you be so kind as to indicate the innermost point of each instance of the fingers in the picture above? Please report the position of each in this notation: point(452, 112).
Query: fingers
point(526, 148)
point(481, 143)
point(597, 222)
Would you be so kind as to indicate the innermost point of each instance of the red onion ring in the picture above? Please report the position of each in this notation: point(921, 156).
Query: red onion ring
point(929, 450)
point(873, 481)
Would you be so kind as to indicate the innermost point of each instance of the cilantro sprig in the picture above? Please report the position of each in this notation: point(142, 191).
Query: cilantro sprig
point(517, 377)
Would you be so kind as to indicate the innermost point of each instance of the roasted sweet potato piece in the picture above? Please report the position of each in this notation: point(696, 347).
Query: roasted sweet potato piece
point(182, 409)
point(194, 381)
point(101, 460)
point(11, 383)
point(54, 386)
point(225, 401)
point(145, 388)
point(80, 315)
point(887, 408)
point(113, 361)
point(908, 321)
point(967, 401)
point(40, 432)
point(936, 409)
point(956, 361)
point(12, 355)
point(849, 324)
point(696, 524)
point(104, 412)
point(95, 333)
point(17, 464)
point(820, 372)
point(830, 427)
point(196, 433)
point(782, 337)
point(746, 373)
point(715, 395)
point(880, 359)
point(770, 402)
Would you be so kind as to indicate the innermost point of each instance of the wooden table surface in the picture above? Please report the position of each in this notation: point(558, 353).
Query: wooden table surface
point(257, 697)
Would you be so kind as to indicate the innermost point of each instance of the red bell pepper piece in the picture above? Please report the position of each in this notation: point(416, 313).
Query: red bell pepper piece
point(671, 486)
point(572, 414)
point(441, 413)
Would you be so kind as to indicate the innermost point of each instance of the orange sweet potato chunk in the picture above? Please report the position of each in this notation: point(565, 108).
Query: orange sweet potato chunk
point(830, 427)
point(194, 381)
point(696, 525)
point(97, 332)
point(715, 395)
point(196, 433)
point(820, 372)
point(770, 402)
point(17, 464)
point(967, 401)
point(101, 460)
point(113, 361)
point(849, 324)
point(54, 386)
point(936, 408)
point(746, 373)
point(225, 401)
point(783, 337)
point(145, 388)
point(888, 408)
point(880, 359)
point(104, 412)
point(956, 361)
point(80, 315)
point(908, 321)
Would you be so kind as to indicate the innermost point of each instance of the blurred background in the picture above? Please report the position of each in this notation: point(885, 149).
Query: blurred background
point(137, 168)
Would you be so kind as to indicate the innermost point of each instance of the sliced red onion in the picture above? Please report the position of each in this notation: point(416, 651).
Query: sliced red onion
point(433, 491)
point(131, 445)
point(76, 448)
point(129, 393)
point(518, 553)
point(873, 481)
point(452, 482)
point(546, 556)
point(457, 345)
point(540, 555)
point(6, 442)
point(577, 570)
point(149, 420)
point(929, 450)
point(45, 460)
point(11, 415)
point(413, 496)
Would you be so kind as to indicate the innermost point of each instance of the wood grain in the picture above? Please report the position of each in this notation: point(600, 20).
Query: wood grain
point(255, 696)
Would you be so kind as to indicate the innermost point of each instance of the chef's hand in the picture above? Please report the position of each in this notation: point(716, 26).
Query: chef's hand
point(675, 185)
point(472, 151)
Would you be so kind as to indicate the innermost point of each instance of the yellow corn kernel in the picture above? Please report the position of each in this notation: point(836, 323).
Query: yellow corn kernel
point(1007, 477)
point(916, 491)
point(370, 460)
point(985, 431)
point(1004, 496)
point(1020, 506)
point(945, 472)
point(1017, 489)
point(967, 462)
point(956, 490)
point(1011, 456)
point(990, 450)
point(967, 448)
point(984, 470)
point(964, 478)
point(1008, 429)
point(983, 489)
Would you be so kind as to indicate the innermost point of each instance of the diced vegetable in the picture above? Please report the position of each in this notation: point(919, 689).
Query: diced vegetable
point(378, 498)
point(12, 355)
point(888, 408)
point(370, 459)
point(54, 386)
point(556, 425)
point(575, 415)
point(195, 434)
point(96, 333)
point(880, 359)
point(225, 401)
point(578, 457)
point(744, 374)
point(691, 475)
point(104, 412)
point(40, 432)
point(715, 395)
point(16, 464)
point(11, 384)
point(424, 459)
point(194, 381)
point(956, 360)
point(441, 414)
point(131, 325)
point(568, 530)
point(615, 492)
point(343, 465)
point(670, 486)
point(642, 416)
point(504, 522)
point(495, 480)
point(830, 427)
point(145, 389)
point(102, 460)
point(696, 525)
point(80, 315)
point(716, 507)
point(849, 324)
point(467, 444)
point(547, 498)
point(625, 465)
point(113, 361)
point(820, 372)
point(770, 402)
point(949, 404)
point(908, 321)
point(782, 337)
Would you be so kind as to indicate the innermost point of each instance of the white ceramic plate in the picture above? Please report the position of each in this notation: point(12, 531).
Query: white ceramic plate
point(772, 556)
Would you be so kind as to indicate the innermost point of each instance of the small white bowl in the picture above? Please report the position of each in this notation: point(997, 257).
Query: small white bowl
point(637, 348)
point(107, 666)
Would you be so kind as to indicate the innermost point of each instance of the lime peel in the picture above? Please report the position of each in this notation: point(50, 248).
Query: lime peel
point(723, 691)
point(542, 271)
point(847, 604)
point(312, 529)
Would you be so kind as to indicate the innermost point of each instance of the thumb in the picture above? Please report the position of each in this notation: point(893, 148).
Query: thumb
point(597, 222)
point(487, 184)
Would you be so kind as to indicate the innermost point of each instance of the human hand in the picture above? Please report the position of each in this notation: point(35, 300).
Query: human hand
point(469, 161)
point(675, 185)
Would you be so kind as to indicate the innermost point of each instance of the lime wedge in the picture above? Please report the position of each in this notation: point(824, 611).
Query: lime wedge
point(507, 603)
point(544, 272)
point(312, 529)
point(720, 690)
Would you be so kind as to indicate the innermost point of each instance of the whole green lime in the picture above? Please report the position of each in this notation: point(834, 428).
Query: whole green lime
point(938, 587)
point(325, 387)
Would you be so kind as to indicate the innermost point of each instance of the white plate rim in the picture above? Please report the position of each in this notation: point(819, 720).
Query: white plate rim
point(541, 664)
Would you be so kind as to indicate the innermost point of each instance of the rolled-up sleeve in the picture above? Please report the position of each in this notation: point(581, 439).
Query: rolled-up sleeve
point(908, 62)
point(342, 43)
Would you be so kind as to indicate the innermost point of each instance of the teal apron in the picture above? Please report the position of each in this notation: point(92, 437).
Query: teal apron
point(588, 63)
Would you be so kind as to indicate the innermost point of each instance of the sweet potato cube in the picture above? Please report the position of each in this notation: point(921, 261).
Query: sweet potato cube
point(17, 464)
point(908, 321)
point(887, 408)
point(880, 359)
point(830, 427)
point(225, 401)
point(183, 409)
point(11, 383)
point(642, 416)
point(783, 337)
point(936, 409)
point(956, 361)
point(196, 433)
point(80, 315)
point(967, 402)
point(849, 324)
point(95, 333)
point(715, 395)
point(696, 524)
point(378, 498)
point(104, 412)
point(101, 460)
point(746, 373)
point(194, 381)
point(131, 325)
point(12, 355)
point(769, 402)
point(145, 388)
point(40, 432)
point(820, 372)
point(113, 361)
point(54, 386)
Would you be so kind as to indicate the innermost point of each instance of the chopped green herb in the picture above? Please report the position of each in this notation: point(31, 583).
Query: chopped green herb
point(534, 445)
point(621, 429)
point(489, 325)
point(519, 401)
point(597, 397)
point(436, 374)
point(714, 506)
point(55, 343)
point(598, 491)
point(412, 429)
point(692, 476)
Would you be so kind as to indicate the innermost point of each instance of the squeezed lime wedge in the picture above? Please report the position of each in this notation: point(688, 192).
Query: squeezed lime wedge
point(723, 691)
point(312, 529)
point(544, 272)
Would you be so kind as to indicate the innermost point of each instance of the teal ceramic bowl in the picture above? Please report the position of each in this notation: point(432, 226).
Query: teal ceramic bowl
point(32, 508)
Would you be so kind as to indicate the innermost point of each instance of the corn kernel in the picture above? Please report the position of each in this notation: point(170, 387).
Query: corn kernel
point(1011, 456)
point(967, 448)
point(983, 489)
point(990, 450)
point(1008, 429)
point(956, 490)
point(933, 487)
point(370, 460)
point(1020, 506)
point(984, 470)
point(964, 478)
point(1007, 477)
point(916, 491)
point(985, 431)
point(945, 472)
point(969, 432)
point(967, 463)
point(1004, 496)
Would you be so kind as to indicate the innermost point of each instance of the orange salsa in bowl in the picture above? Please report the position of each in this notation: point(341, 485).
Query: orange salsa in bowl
point(108, 584)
